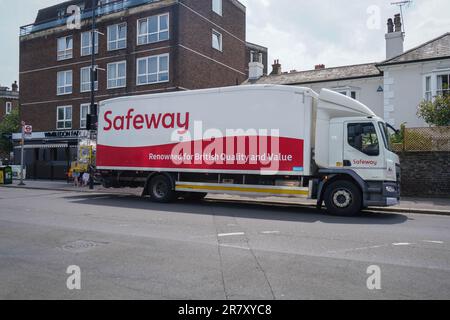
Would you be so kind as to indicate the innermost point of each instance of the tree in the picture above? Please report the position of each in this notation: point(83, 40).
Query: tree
point(437, 112)
point(9, 125)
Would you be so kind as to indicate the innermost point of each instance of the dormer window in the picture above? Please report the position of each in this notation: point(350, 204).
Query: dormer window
point(61, 13)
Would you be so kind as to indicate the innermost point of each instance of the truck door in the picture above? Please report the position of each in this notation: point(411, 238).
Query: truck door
point(363, 151)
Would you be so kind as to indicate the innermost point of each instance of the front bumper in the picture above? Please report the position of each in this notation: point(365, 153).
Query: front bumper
point(383, 194)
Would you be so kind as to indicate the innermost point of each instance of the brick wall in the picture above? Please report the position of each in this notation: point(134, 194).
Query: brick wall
point(425, 174)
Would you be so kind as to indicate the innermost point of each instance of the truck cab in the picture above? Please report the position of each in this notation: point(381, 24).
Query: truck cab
point(354, 156)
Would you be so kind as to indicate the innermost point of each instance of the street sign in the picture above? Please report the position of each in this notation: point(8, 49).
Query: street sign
point(27, 131)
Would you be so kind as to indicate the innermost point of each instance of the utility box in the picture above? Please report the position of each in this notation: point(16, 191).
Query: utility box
point(6, 175)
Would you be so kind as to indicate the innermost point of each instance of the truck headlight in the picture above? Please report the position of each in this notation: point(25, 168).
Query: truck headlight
point(390, 189)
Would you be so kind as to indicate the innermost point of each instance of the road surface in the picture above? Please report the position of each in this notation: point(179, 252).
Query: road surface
point(129, 248)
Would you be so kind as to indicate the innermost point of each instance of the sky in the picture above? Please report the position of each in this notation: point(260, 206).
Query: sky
point(300, 33)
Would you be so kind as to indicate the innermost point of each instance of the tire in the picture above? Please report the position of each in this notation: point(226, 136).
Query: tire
point(343, 198)
point(194, 196)
point(160, 190)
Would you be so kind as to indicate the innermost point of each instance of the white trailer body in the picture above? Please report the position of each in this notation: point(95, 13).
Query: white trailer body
point(144, 133)
point(260, 140)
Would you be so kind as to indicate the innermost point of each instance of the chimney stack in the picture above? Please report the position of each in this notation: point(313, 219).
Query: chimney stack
point(255, 67)
point(276, 68)
point(319, 67)
point(395, 37)
point(15, 87)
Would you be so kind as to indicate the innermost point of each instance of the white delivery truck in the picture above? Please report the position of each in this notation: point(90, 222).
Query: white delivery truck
point(262, 140)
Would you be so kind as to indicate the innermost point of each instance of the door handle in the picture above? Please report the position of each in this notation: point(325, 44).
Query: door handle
point(347, 163)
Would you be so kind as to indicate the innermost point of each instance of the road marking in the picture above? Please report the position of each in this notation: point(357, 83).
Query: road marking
point(231, 234)
point(432, 241)
point(270, 232)
point(402, 244)
point(357, 249)
point(234, 247)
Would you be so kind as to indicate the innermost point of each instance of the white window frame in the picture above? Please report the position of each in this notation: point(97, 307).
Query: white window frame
point(118, 40)
point(347, 91)
point(67, 87)
point(428, 94)
point(217, 33)
point(8, 107)
point(83, 106)
point(89, 46)
point(116, 78)
point(66, 52)
point(217, 6)
point(87, 83)
point(66, 119)
point(440, 74)
point(434, 82)
point(147, 74)
point(158, 32)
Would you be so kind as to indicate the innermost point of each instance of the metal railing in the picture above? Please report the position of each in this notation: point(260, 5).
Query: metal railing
point(424, 139)
point(102, 9)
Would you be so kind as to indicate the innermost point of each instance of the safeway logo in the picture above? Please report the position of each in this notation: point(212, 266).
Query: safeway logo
point(136, 121)
point(361, 162)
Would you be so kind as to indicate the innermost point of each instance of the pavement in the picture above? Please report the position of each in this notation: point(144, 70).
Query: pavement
point(439, 206)
point(126, 247)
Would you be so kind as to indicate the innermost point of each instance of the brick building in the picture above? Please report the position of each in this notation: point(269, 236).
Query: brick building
point(9, 99)
point(142, 46)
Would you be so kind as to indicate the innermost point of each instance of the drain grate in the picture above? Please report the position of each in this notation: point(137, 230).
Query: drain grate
point(82, 245)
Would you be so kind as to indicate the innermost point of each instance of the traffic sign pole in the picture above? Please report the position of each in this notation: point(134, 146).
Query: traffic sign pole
point(28, 131)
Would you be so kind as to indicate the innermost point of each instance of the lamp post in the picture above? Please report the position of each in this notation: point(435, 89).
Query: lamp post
point(93, 78)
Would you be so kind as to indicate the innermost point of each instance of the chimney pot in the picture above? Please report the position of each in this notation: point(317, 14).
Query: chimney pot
point(319, 67)
point(276, 68)
point(15, 87)
point(398, 23)
point(390, 24)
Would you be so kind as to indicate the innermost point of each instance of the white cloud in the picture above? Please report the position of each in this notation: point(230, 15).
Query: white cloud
point(301, 33)
point(304, 33)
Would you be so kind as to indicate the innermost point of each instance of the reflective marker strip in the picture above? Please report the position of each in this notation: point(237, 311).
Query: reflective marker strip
point(188, 187)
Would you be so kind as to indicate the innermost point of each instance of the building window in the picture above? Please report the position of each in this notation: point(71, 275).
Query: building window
point(217, 6)
point(86, 43)
point(217, 40)
point(64, 118)
point(153, 29)
point(117, 36)
point(61, 13)
point(85, 80)
point(351, 92)
point(65, 48)
point(8, 107)
point(443, 82)
point(428, 92)
point(84, 111)
point(153, 69)
point(117, 74)
point(64, 85)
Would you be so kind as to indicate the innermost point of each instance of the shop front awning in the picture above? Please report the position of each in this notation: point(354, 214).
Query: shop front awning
point(44, 146)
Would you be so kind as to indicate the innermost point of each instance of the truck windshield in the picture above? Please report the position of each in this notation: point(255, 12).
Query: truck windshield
point(387, 133)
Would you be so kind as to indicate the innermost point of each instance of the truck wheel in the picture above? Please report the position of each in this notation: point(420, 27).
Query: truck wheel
point(194, 196)
point(160, 190)
point(343, 198)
